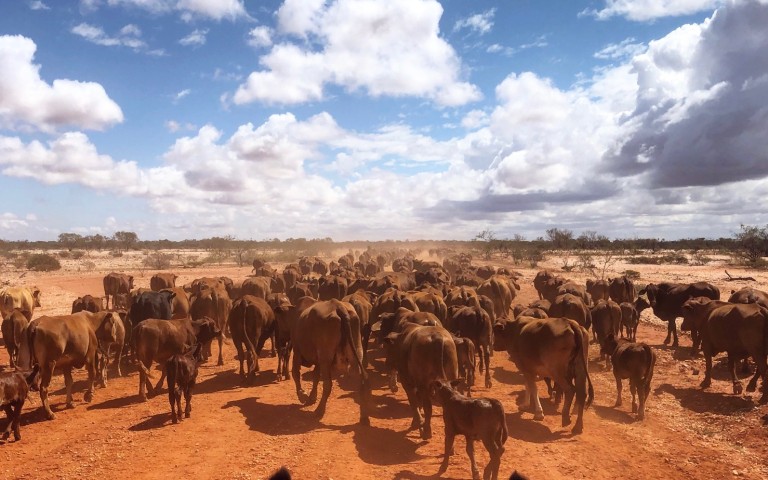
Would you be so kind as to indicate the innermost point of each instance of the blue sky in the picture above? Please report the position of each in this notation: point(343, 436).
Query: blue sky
point(398, 119)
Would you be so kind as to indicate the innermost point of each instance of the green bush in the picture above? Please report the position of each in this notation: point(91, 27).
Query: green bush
point(42, 262)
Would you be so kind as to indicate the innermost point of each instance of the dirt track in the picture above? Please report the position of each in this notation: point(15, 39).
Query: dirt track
point(246, 432)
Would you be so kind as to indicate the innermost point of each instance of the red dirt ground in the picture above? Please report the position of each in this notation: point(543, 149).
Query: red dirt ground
point(246, 432)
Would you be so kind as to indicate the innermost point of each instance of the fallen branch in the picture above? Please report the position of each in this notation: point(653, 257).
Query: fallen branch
point(732, 278)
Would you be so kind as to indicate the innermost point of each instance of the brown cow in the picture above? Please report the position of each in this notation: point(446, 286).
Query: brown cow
point(462, 296)
point(285, 324)
point(431, 302)
point(88, 303)
point(291, 275)
point(327, 335)
point(332, 286)
point(480, 419)
point(215, 304)
point(23, 298)
point(598, 289)
point(422, 355)
point(501, 290)
point(475, 324)
point(629, 320)
point(158, 340)
point(750, 295)
point(13, 332)
point(546, 283)
point(621, 289)
point(117, 283)
point(634, 361)
point(182, 376)
point(667, 301)
point(606, 320)
point(179, 302)
point(251, 323)
point(257, 287)
point(298, 290)
point(14, 387)
point(573, 307)
point(695, 313)
point(319, 267)
point(66, 342)
point(550, 347)
point(160, 281)
point(578, 290)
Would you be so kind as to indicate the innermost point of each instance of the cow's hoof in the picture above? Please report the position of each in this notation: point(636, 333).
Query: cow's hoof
point(666, 341)
point(365, 421)
point(142, 398)
point(737, 388)
point(675, 344)
point(640, 416)
point(706, 383)
point(70, 406)
point(488, 384)
point(566, 421)
point(414, 425)
point(88, 397)
point(538, 416)
point(634, 408)
point(174, 420)
point(426, 434)
point(578, 429)
point(220, 362)
point(50, 415)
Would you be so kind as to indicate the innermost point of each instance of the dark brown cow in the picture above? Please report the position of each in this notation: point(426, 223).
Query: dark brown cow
point(258, 263)
point(750, 295)
point(215, 304)
point(158, 340)
point(332, 286)
point(117, 283)
point(462, 296)
point(573, 307)
point(740, 330)
point(67, 342)
point(634, 361)
point(327, 335)
point(598, 289)
point(291, 275)
point(667, 301)
point(621, 289)
point(251, 323)
point(629, 320)
point(546, 283)
point(606, 320)
point(578, 290)
point(695, 314)
point(305, 265)
point(298, 290)
point(551, 347)
point(475, 324)
point(319, 267)
point(13, 332)
point(88, 303)
point(476, 419)
point(422, 355)
point(160, 281)
point(14, 388)
point(485, 272)
point(285, 324)
point(182, 376)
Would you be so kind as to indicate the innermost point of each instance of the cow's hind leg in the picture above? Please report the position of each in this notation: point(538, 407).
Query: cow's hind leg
point(172, 401)
point(413, 402)
point(634, 387)
point(315, 381)
point(472, 462)
point(296, 368)
point(90, 367)
point(160, 382)
point(68, 384)
point(325, 372)
point(737, 388)
point(485, 352)
point(45, 381)
point(8, 413)
point(619, 387)
point(187, 401)
point(491, 471)
point(530, 384)
point(450, 436)
point(707, 371)
point(221, 349)
point(426, 402)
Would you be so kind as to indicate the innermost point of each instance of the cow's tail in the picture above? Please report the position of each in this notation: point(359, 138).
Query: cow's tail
point(31, 334)
point(581, 369)
point(651, 364)
point(348, 339)
point(498, 409)
point(144, 369)
point(251, 349)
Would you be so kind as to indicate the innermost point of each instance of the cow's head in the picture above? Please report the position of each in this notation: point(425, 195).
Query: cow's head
point(36, 293)
point(205, 329)
point(608, 344)
point(130, 282)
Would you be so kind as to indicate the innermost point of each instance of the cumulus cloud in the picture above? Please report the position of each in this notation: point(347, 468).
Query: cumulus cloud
point(480, 23)
point(38, 5)
point(700, 117)
point(647, 10)
point(627, 48)
point(189, 9)
point(128, 36)
point(196, 37)
point(260, 37)
point(383, 49)
point(27, 101)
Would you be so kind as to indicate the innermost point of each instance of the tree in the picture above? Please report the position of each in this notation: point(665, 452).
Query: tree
point(70, 240)
point(487, 241)
point(753, 243)
point(560, 238)
point(126, 239)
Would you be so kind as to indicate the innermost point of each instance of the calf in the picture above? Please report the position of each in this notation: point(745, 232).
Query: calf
point(13, 332)
point(475, 324)
point(14, 387)
point(629, 320)
point(606, 320)
point(477, 419)
point(634, 361)
point(182, 374)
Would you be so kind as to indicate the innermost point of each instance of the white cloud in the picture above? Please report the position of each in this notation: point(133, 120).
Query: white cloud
point(647, 10)
point(10, 221)
point(181, 94)
point(481, 23)
point(260, 37)
point(474, 119)
point(189, 9)
point(383, 49)
point(197, 37)
point(539, 42)
point(38, 5)
point(28, 101)
point(627, 48)
point(173, 126)
point(128, 36)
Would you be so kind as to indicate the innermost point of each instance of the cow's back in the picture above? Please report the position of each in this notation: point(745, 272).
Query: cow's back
point(544, 344)
point(431, 355)
point(737, 328)
point(66, 339)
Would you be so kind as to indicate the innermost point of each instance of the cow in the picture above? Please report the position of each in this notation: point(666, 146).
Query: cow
point(319, 267)
point(327, 335)
point(485, 271)
point(629, 320)
point(251, 323)
point(157, 340)
point(695, 313)
point(257, 287)
point(107, 347)
point(13, 332)
point(431, 302)
point(578, 290)
point(161, 281)
point(550, 347)
point(480, 419)
point(465, 355)
point(283, 329)
point(291, 275)
point(121, 301)
point(546, 283)
point(298, 290)
point(634, 361)
point(259, 263)
point(606, 320)
point(421, 355)
point(216, 304)
point(749, 295)
point(740, 330)
point(573, 307)
point(179, 302)
point(332, 286)
point(88, 303)
point(501, 290)
point(151, 305)
point(23, 298)
point(14, 388)
point(117, 283)
point(182, 375)
point(667, 301)
point(66, 342)
point(475, 324)
point(434, 276)
point(621, 289)
point(598, 289)
point(462, 296)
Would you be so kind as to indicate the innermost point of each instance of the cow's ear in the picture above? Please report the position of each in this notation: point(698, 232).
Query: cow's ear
point(391, 338)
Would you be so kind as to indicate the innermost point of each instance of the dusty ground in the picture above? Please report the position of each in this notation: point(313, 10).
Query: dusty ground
point(238, 432)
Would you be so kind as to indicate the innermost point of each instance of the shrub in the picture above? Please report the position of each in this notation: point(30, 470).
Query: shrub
point(63, 254)
point(42, 262)
point(631, 274)
point(87, 265)
point(157, 261)
point(116, 253)
point(77, 254)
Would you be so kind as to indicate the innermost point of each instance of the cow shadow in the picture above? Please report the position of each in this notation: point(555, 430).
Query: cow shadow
point(155, 421)
point(275, 419)
point(230, 380)
point(410, 475)
point(613, 414)
point(389, 407)
point(381, 446)
point(509, 377)
point(701, 401)
point(118, 402)
point(532, 431)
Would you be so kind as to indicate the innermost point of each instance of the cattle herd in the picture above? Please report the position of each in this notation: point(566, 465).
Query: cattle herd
point(436, 324)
